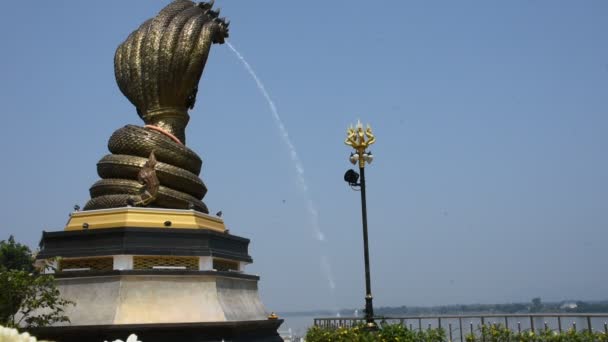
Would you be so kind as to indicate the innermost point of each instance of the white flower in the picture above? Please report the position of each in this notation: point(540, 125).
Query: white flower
point(131, 338)
point(12, 335)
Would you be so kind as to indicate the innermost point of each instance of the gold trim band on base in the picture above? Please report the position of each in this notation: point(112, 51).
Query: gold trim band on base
point(143, 218)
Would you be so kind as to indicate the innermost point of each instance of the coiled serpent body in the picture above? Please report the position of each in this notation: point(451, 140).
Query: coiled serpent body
point(177, 170)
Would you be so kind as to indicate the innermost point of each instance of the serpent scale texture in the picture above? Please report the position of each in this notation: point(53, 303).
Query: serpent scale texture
point(158, 68)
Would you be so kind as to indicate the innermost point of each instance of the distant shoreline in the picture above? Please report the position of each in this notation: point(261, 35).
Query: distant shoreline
point(534, 306)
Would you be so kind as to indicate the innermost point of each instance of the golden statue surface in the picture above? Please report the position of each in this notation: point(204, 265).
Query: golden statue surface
point(158, 68)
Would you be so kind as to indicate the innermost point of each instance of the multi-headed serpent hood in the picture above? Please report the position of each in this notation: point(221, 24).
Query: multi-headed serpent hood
point(158, 67)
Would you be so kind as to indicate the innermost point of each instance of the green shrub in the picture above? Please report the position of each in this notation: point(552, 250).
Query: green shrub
point(498, 333)
point(488, 333)
point(387, 332)
point(27, 298)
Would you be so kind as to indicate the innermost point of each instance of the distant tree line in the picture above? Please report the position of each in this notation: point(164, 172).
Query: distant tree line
point(534, 306)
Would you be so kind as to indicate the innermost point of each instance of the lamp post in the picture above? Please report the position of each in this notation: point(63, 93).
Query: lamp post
point(360, 139)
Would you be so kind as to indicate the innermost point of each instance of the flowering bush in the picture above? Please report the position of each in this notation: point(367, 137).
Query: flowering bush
point(12, 335)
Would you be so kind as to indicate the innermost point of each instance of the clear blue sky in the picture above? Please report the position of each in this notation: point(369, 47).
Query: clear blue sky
point(490, 179)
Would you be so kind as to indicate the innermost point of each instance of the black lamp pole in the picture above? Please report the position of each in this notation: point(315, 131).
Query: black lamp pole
point(360, 139)
point(369, 305)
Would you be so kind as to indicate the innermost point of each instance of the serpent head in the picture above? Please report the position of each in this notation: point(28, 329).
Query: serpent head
point(159, 65)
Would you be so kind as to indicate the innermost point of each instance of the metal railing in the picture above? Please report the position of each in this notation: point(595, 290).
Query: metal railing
point(458, 326)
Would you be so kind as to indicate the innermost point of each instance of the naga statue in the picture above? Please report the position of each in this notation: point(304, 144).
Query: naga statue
point(158, 68)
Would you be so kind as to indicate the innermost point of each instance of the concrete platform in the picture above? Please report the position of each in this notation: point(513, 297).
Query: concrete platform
point(161, 298)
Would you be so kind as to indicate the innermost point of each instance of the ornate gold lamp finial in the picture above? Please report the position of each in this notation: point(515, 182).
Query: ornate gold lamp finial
point(360, 139)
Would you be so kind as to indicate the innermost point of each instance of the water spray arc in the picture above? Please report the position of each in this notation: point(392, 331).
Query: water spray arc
point(300, 179)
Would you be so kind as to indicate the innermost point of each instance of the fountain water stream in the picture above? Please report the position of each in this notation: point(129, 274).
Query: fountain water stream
point(301, 180)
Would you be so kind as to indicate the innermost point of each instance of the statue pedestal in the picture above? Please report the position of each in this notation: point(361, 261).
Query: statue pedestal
point(160, 283)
